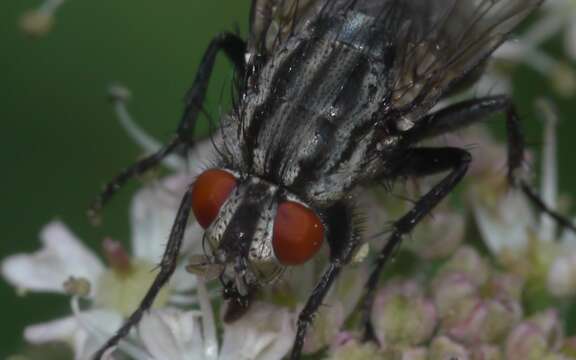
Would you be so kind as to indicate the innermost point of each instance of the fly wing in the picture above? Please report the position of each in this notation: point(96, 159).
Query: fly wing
point(272, 21)
point(435, 42)
point(439, 42)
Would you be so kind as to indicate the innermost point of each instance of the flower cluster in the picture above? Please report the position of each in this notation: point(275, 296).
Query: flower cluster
point(491, 281)
point(466, 310)
point(448, 302)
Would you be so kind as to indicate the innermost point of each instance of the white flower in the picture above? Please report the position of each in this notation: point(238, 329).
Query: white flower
point(61, 257)
point(171, 330)
point(265, 332)
point(110, 293)
point(522, 239)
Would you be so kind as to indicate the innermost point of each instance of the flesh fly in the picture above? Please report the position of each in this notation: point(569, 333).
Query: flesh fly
point(332, 96)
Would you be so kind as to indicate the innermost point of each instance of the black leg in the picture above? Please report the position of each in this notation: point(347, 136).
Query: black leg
point(234, 47)
point(466, 113)
point(167, 267)
point(539, 203)
point(314, 301)
point(469, 112)
point(343, 239)
point(417, 162)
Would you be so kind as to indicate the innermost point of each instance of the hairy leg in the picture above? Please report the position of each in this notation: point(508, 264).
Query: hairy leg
point(234, 48)
point(466, 113)
point(343, 240)
point(167, 267)
point(416, 162)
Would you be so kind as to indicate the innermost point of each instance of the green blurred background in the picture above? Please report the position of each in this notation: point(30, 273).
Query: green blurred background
point(60, 139)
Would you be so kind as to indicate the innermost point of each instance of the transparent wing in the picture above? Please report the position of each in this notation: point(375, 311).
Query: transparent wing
point(441, 41)
point(272, 21)
point(435, 42)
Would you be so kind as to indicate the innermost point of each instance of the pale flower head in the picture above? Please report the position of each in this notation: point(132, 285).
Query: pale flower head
point(403, 315)
point(65, 265)
point(476, 304)
point(536, 338)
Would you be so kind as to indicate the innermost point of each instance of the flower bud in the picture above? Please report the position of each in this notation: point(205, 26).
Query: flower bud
point(439, 236)
point(534, 338)
point(402, 315)
point(477, 313)
point(486, 352)
point(467, 261)
point(481, 321)
point(354, 350)
point(417, 353)
point(451, 289)
point(443, 348)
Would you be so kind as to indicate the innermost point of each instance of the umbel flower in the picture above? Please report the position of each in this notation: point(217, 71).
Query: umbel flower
point(450, 302)
point(441, 300)
point(182, 324)
point(101, 295)
point(467, 310)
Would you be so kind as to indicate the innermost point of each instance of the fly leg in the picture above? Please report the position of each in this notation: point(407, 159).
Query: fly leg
point(234, 48)
point(167, 267)
point(417, 162)
point(465, 113)
point(343, 239)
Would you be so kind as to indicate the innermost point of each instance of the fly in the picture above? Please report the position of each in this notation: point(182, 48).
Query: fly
point(332, 96)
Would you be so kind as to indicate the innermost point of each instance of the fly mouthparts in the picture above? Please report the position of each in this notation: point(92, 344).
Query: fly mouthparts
point(204, 266)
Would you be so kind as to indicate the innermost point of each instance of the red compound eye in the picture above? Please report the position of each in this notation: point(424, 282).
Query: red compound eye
point(298, 233)
point(209, 192)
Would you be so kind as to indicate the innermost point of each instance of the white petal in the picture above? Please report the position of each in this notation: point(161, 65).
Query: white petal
point(172, 334)
point(154, 210)
point(62, 256)
point(55, 330)
point(562, 276)
point(98, 326)
point(266, 332)
point(505, 225)
point(74, 331)
point(152, 215)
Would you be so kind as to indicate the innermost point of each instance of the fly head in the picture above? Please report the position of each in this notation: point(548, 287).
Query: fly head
point(254, 229)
